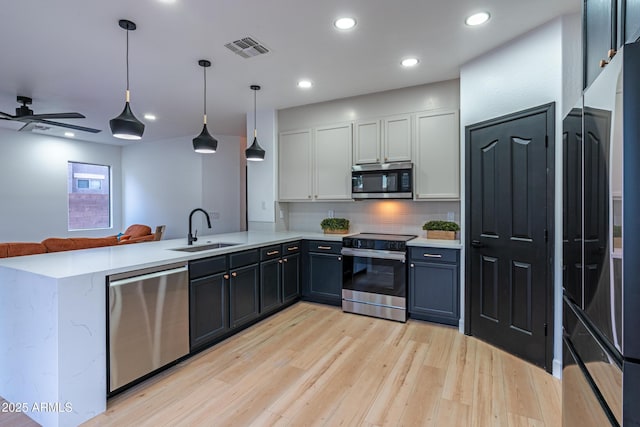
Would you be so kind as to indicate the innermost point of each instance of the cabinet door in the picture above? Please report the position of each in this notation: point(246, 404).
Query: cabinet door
point(332, 153)
point(270, 279)
point(437, 165)
point(599, 35)
point(243, 295)
point(208, 307)
point(397, 138)
point(325, 278)
point(366, 147)
point(290, 277)
point(294, 165)
point(433, 292)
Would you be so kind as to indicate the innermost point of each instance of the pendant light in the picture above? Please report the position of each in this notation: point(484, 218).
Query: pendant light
point(255, 152)
point(205, 143)
point(126, 125)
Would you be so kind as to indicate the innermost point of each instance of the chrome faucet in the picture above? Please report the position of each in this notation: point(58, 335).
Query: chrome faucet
point(193, 237)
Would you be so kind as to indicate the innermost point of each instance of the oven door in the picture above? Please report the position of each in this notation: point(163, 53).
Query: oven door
point(374, 271)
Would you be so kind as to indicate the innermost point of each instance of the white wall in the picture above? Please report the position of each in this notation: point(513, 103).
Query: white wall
point(164, 180)
point(436, 96)
point(261, 176)
point(33, 184)
point(524, 73)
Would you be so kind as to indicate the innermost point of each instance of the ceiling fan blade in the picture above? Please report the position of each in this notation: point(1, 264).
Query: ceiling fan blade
point(6, 116)
point(27, 127)
point(56, 116)
point(64, 125)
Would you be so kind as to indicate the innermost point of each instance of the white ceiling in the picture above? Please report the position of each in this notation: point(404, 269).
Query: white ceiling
point(69, 55)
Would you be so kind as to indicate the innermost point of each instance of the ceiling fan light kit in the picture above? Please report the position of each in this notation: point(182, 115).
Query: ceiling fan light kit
point(205, 143)
point(255, 153)
point(126, 125)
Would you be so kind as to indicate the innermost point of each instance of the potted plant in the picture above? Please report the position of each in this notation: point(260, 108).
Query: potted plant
point(335, 225)
point(445, 230)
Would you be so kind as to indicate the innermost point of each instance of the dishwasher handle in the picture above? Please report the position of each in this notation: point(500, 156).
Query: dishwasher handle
point(161, 273)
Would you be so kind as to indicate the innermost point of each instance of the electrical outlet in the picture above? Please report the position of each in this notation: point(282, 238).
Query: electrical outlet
point(281, 214)
point(215, 215)
point(450, 216)
point(264, 205)
point(330, 213)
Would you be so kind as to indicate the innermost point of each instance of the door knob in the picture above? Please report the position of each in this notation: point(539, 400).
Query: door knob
point(477, 244)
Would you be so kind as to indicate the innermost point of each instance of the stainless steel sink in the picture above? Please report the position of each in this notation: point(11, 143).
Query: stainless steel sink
point(207, 247)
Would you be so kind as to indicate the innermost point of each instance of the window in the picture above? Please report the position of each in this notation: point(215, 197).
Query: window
point(89, 196)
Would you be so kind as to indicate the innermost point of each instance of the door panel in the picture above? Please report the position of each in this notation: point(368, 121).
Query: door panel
point(509, 216)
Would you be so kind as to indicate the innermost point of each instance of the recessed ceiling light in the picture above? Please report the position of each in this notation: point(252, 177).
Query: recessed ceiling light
point(409, 62)
point(69, 134)
point(477, 19)
point(345, 23)
point(305, 84)
point(167, 1)
point(150, 116)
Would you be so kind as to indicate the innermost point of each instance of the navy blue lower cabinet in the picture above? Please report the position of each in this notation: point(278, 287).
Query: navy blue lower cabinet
point(323, 273)
point(270, 279)
point(434, 285)
point(243, 294)
point(290, 277)
point(209, 318)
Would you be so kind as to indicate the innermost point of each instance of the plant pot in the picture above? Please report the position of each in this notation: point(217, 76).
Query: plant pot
point(441, 235)
point(335, 231)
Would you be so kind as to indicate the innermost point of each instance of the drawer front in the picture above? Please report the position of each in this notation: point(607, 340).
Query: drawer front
point(291, 248)
point(240, 259)
point(434, 254)
point(207, 266)
point(270, 252)
point(325, 246)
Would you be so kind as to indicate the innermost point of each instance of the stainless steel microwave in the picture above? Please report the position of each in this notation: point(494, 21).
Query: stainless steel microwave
point(382, 181)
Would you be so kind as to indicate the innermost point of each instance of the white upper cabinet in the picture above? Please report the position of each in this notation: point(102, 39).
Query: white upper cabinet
point(397, 138)
point(294, 165)
point(315, 164)
point(333, 145)
point(437, 160)
point(367, 142)
point(383, 140)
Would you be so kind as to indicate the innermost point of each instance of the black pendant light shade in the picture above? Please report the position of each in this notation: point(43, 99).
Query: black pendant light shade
point(254, 152)
point(126, 125)
point(205, 143)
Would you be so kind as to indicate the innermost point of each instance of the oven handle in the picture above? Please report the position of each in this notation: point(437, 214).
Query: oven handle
point(374, 253)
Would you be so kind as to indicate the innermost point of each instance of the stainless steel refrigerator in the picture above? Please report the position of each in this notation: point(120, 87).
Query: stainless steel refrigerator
point(601, 250)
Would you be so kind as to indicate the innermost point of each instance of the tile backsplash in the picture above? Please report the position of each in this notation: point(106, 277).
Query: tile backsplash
point(380, 216)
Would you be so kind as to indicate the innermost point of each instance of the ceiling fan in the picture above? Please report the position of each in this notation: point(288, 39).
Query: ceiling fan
point(25, 114)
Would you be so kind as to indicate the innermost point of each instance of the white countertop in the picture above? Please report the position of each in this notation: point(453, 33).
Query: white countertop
point(435, 243)
point(117, 259)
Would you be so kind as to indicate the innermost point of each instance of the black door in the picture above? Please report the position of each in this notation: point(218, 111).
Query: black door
point(509, 225)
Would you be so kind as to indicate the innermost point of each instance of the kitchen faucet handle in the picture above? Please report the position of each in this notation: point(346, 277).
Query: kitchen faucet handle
point(195, 236)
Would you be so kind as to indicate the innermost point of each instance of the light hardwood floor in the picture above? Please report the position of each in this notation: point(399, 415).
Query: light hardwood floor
point(315, 365)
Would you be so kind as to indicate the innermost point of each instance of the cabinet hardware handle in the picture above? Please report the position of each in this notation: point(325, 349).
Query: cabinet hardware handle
point(280, 261)
point(316, 196)
point(273, 252)
point(412, 265)
point(326, 248)
point(309, 196)
point(226, 276)
point(234, 274)
point(285, 260)
point(611, 53)
point(433, 255)
point(386, 158)
point(339, 258)
point(292, 248)
point(603, 63)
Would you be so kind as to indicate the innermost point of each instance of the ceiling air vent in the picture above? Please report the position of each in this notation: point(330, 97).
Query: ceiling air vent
point(247, 47)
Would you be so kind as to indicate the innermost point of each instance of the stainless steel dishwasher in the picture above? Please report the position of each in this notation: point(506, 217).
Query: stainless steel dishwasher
point(148, 321)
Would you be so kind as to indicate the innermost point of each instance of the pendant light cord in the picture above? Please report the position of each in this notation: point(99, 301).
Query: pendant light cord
point(205, 92)
point(127, 61)
point(255, 129)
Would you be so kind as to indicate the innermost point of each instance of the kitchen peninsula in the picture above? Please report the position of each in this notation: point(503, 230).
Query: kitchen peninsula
point(53, 319)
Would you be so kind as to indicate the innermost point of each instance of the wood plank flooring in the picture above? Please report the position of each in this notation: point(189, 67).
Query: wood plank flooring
point(315, 365)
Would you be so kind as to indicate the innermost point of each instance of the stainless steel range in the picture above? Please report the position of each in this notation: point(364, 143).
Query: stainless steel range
point(374, 275)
